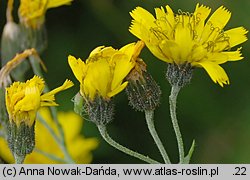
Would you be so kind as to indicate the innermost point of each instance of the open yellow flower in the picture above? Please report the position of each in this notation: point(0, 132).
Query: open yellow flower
point(190, 38)
point(24, 99)
point(32, 12)
point(78, 146)
point(104, 71)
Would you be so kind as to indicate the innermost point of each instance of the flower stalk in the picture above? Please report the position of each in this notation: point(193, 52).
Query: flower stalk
point(59, 140)
point(172, 102)
point(149, 115)
point(103, 131)
point(19, 159)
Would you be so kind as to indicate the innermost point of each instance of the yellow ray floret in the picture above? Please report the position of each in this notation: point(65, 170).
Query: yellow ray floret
point(32, 12)
point(24, 99)
point(193, 38)
point(104, 71)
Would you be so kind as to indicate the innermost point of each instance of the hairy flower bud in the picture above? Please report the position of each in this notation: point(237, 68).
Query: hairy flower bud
point(142, 90)
point(10, 46)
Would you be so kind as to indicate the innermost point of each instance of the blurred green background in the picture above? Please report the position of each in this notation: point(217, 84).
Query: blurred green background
point(217, 118)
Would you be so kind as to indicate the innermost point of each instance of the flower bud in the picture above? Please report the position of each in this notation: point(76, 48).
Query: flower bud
point(142, 90)
point(10, 41)
point(10, 46)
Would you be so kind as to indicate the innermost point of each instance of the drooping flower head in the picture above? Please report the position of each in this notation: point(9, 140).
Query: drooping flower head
point(189, 38)
point(24, 99)
point(32, 12)
point(101, 77)
point(80, 148)
point(104, 71)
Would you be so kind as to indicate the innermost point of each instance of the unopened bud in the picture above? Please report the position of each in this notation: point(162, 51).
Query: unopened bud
point(10, 46)
point(142, 90)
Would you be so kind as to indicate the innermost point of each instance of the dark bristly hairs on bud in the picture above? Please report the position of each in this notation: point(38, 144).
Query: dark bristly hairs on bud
point(179, 75)
point(21, 140)
point(99, 111)
point(142, 90)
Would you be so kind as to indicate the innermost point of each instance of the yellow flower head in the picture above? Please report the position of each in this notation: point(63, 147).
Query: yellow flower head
point(190, 38)
point(24, 99)
point(32, 12)
point(104, 71)
point(78, 146)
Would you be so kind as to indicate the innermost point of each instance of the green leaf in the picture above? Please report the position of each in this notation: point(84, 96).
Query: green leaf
point(190, 153)
point(78, 104)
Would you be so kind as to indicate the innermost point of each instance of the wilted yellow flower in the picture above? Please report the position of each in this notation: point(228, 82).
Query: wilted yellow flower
point(78, 146)
point(24, 99)
point(104, 71)
point(188, 38)
point(32, 12)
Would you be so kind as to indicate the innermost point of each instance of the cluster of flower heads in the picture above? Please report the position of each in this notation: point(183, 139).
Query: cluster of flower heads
point(183, 40)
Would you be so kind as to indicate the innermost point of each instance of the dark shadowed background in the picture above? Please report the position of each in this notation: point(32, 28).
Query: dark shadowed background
point(217, 118)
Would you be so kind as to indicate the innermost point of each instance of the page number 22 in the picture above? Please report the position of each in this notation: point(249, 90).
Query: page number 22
point(240, 171)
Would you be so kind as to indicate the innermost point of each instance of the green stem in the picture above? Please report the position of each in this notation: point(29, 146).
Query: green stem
point(103, 131)
point(149, 115)
point(2, 134)
point(59, 127)
point(172, 101)
point(51, 131)
point(59, 141)
point(37, 68)
point(51, 156)
point(18, 159)
point(62, 135)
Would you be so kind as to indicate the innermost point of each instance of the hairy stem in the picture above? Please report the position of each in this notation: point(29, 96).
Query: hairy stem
point(149, 115)
point(59, 141)
point(172, 101)
point(103, 131)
